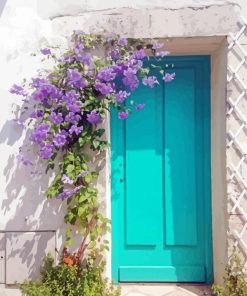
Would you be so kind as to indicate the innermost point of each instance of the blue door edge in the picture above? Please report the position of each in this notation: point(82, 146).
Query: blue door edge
point(205, 61)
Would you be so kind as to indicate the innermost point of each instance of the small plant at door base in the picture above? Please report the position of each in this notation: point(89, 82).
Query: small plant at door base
point(70, 280)
point(235, 281)
point(64, 110)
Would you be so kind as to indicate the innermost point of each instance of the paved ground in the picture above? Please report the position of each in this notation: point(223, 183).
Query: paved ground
point(164, 290)
point(143, 290)
point(9, 292)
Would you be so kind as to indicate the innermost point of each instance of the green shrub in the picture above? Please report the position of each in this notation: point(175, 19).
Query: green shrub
point(235, 283)
point(35, 289)
point(65, 280)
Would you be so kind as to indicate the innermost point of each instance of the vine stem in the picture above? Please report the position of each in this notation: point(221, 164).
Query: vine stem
point(83, 245)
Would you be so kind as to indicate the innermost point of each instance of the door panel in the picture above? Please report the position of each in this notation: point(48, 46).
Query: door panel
point(180, 170)
point(143, 158)
point(160, 174)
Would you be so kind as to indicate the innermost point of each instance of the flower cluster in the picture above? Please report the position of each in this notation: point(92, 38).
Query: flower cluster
point(68, 105)
point(60, 98)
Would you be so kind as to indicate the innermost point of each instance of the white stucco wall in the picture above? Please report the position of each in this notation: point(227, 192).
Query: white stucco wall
point(27, 25)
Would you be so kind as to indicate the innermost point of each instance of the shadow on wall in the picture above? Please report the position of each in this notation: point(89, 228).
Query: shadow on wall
point(32, 222)
point(2, 4)
point(33, 225)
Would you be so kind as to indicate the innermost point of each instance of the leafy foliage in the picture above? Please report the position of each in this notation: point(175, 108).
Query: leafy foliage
point(67, 280)
point(235, 283)
point(64, 111)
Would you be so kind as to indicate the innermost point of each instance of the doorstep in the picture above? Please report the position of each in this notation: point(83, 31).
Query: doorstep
point(165, 290)
point(140, 290)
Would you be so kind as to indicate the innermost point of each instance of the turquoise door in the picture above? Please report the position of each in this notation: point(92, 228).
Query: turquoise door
point(161, 216)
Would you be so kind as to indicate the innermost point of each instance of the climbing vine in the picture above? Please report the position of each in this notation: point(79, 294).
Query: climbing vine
point(64, 110)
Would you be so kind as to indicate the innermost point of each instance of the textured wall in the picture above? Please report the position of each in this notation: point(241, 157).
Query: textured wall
point(27, 25)
point(237, 138)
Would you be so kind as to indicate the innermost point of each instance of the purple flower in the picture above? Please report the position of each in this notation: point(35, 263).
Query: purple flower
point(122, 41)
point(80, 56)
point(76, 129)
point(123, 115)
point(46, 151)
point(157, 45)
point(94, 117)
point(119, 68)
point(67, 180)
point(169, 77)
point(103, 88)
point(45, 91)
point(68, 193)
point(135, 63)
point(72, 117)
point(114, 54)
point(40, 133)
point(56, 117)
point(45, 51)
point(86, 59)
point(78, 49)
point(70, 96)
point(162, 53)
point(150, 81)
point(140, 54)
point(37, 82)
point(75, 107)
point(36, 114)
point(106, 74)
point(18, 90)
point(130, 79)
point(67, 58)
point(39, 96)
point(79, 46)
point(60, 139)
point(121, 96)
point(139, 107)
point(74, 78)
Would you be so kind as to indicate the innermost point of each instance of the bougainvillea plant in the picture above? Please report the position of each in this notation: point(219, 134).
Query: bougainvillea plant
point(67, 107)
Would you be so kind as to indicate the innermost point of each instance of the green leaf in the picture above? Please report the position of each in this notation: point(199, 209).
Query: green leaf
point(71, 242)
point(99, 133)
point(92, 245)
point(80, 211)
point(82, 198)
point(70, 157)
point(88, 178)
point(70, 168)
point(96, 144)
point(68, 232)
